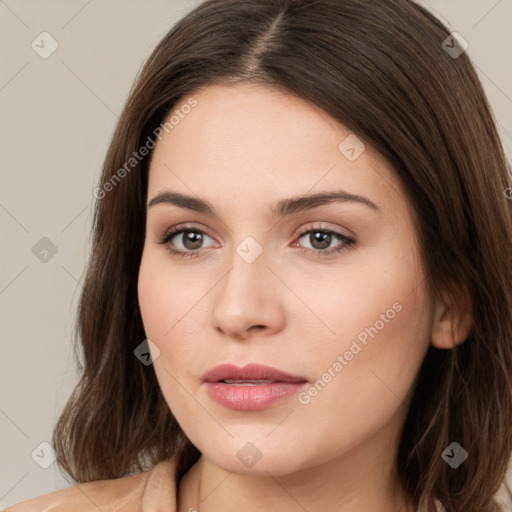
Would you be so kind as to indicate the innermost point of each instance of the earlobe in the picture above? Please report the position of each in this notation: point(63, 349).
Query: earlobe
point(450, 327)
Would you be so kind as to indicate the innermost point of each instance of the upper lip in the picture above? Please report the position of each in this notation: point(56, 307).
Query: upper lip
point(250, 371)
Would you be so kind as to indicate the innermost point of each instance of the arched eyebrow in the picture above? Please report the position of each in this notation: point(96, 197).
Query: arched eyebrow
point(281, 208)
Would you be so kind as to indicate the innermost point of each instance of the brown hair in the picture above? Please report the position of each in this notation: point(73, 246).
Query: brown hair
point(380, 68)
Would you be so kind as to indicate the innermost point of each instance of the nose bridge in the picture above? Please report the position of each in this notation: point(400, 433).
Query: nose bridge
point(248, 272)
point(246, 296)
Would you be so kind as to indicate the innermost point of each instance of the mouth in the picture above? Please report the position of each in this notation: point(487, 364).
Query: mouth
point(252, 387)
point(251, 374)
point(246, 382)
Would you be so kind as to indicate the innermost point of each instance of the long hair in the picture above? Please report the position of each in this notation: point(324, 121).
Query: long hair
point(392, 73)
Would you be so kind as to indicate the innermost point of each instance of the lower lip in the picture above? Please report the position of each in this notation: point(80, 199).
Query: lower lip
point(251, 398)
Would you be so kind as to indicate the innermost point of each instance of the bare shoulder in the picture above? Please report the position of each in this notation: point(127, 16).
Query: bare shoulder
point(121, 494)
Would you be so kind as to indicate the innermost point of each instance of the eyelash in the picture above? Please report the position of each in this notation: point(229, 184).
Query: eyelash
point(347, 242)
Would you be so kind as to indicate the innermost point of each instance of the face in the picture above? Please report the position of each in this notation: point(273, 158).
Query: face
point(329, 291)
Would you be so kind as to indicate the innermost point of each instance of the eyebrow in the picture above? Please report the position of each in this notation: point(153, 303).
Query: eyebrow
point(280, 209)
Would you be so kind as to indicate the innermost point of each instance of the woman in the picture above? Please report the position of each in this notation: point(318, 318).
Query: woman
point(299, 295)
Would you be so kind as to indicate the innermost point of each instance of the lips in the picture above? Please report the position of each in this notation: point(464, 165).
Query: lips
point(251, 388)
point(251, 374)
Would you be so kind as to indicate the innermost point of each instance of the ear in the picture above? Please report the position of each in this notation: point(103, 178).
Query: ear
point(452, 322)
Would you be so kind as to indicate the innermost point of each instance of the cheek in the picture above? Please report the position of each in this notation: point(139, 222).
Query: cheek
point(362, 387)
point(152, 300)
point(368, 288)
point(164, 307)
point(367, 370)
point(372, 313)
point(172, 309)
point(164, 297)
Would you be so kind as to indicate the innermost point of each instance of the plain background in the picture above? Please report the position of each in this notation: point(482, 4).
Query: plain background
point(57, 117)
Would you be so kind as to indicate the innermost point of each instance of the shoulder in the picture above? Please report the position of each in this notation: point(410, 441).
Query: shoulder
point(153, 490)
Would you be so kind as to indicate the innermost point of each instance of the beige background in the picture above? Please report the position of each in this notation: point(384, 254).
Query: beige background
point(57, 117)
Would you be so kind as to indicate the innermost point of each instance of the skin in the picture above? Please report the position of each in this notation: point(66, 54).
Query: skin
point(296, 311)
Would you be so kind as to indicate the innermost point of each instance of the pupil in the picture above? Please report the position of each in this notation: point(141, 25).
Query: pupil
point(324, 240)
point(192, 240)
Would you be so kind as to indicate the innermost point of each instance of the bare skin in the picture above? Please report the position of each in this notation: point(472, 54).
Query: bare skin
point(243, 149)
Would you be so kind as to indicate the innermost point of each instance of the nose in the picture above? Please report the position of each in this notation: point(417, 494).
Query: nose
point(247, 300)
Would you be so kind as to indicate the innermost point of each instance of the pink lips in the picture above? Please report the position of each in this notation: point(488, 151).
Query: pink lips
point(251, 387)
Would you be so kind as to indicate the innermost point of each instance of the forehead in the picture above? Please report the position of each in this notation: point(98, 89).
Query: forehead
point(250, 142)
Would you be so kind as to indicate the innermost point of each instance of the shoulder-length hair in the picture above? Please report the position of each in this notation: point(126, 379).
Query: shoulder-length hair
point(392, 73)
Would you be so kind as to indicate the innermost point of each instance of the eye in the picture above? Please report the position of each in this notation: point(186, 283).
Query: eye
point(321, 241)
point(190, 239)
